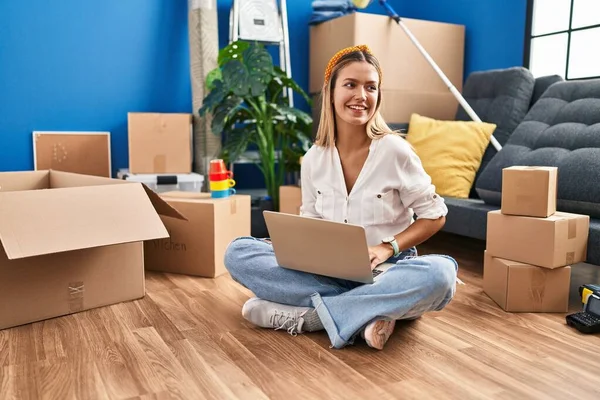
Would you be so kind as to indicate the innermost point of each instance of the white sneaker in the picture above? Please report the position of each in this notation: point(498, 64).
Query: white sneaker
point(267, 314)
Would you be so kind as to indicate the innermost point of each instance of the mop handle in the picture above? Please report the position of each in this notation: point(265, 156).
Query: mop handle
point(390, 10)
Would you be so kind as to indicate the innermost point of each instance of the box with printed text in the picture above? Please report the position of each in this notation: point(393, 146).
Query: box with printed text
point(197, 245)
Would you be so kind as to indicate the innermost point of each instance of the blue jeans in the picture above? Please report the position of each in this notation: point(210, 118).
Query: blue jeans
point(413, 286)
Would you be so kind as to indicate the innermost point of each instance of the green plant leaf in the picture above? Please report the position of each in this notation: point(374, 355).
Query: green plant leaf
point(302, 139)
point(292, 114)
point(224, 111)
point(236, 77)
point(280, 74)
point(303, 117)
point(232, 51)
point(251, 74)
point(213, 76)
point(260, 68)
point(214, 98)
point(291, 157)
point(237, 141)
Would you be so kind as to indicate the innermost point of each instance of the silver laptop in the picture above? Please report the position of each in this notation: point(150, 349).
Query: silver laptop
point(321, 247)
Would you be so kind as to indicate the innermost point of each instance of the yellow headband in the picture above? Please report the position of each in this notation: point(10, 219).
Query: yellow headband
point(336, 57)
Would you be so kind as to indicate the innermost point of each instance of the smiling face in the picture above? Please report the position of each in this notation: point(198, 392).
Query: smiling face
point(355, 93)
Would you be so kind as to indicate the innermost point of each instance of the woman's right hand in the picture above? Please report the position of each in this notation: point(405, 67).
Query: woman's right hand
point(379, 254)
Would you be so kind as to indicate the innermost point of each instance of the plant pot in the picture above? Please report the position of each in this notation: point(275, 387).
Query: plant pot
point(258, 227)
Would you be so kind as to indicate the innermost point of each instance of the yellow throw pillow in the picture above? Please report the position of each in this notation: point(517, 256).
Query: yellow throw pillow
point(451, 151)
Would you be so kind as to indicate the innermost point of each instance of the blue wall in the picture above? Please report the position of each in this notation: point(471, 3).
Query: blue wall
point(78, 65)
point(81, 65)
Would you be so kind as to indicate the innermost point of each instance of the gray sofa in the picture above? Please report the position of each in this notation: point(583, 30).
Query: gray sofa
point(560, 126)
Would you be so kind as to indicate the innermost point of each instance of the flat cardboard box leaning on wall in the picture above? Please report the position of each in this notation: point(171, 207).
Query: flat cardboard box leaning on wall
point(197, 246)
point(72, 242)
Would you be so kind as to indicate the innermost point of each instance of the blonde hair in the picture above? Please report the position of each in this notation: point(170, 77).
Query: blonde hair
point(376, 127)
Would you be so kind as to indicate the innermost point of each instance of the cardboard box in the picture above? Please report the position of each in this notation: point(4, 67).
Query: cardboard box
point(404, 67)
point(398, 105)
point(72, 242)
point(520, 287)
point(290, 199)
point(529, 191)
point(160, 143)
point(556, 241)
point(197, 246)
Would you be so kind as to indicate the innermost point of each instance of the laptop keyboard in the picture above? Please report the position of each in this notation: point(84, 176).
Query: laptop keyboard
point(376, 272)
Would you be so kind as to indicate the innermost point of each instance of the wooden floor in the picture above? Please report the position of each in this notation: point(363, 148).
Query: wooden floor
point(187, 340)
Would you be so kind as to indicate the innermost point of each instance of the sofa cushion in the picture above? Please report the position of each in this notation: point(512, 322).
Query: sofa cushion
point(541, 85)
point(562, 129)
point(450, 151)
point(501, 97)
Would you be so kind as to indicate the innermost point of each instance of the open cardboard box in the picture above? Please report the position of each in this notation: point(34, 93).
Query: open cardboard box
point(72, 242)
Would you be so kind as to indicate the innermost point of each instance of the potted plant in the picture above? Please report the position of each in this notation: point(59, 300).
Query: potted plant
point(248, 105)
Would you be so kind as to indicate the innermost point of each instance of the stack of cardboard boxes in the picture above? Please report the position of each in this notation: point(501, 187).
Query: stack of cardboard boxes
point(530, 246)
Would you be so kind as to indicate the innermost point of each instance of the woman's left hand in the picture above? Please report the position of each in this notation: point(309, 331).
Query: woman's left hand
point(379, 254)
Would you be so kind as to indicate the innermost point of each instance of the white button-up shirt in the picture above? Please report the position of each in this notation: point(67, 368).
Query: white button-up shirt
point(391, 187)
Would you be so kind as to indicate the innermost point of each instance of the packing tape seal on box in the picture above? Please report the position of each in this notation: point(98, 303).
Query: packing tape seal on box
point(572, 234)
point(537, 288)
point(570, 258)
point(572, 228)
point(233, 204)
point(76, 290)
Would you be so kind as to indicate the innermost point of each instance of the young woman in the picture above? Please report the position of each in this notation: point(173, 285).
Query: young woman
point(358, 172)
